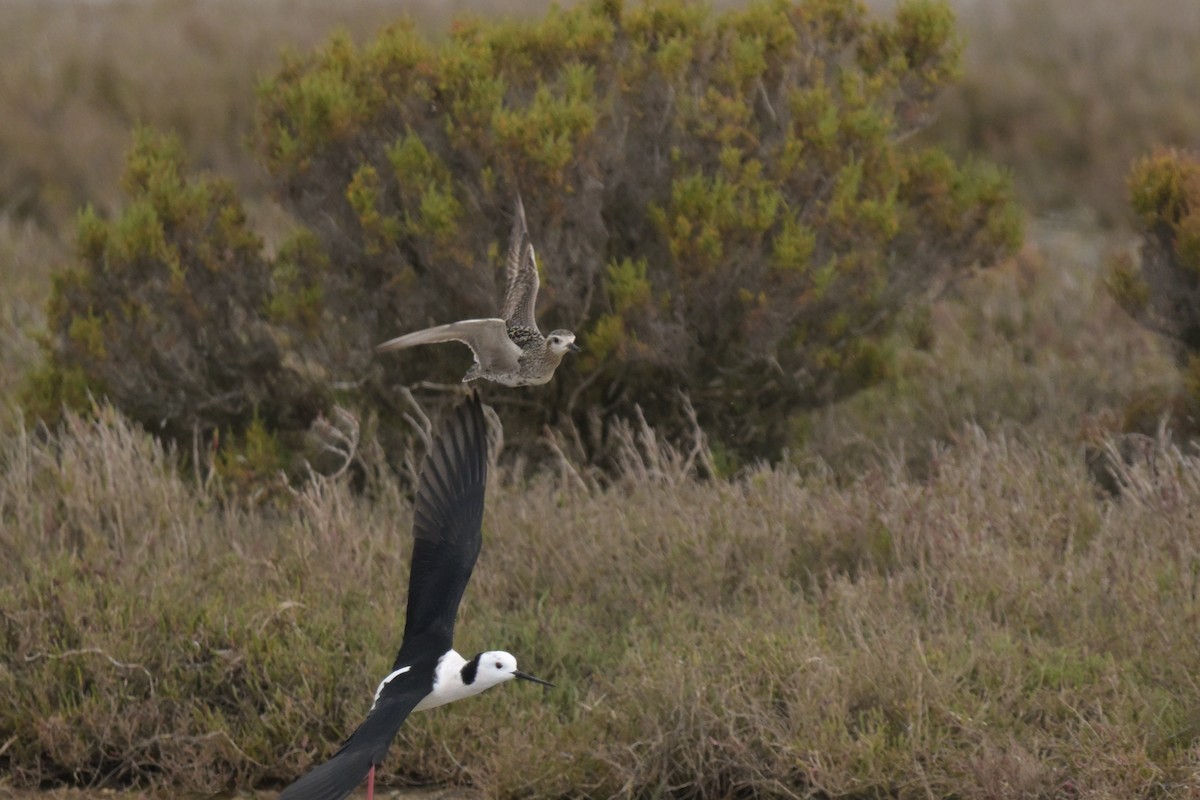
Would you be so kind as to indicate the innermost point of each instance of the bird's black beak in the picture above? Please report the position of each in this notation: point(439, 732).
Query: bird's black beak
point(525, 676)
point(574, 348)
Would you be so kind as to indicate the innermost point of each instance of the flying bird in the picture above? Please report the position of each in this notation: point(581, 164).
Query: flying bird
point(428, 672)
point(511, 351)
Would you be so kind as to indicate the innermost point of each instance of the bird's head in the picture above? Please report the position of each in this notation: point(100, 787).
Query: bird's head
point(561, 342)
point(495, 667)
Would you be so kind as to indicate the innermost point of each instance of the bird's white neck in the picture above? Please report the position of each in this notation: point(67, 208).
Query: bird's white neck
point(448, 683)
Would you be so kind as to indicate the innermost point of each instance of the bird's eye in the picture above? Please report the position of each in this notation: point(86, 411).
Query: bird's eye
point(499, 665)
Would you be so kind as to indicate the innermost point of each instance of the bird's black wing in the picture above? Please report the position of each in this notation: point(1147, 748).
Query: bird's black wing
point(369, 743)
point(521, 289)
point(447, 517)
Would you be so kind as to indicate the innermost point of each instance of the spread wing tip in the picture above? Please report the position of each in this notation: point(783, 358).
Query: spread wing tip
point(455, 470)
point(519, 213)
point(390, 344)
point(520, 293)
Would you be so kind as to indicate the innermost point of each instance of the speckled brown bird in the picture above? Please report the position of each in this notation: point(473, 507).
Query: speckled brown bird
point(511, 351)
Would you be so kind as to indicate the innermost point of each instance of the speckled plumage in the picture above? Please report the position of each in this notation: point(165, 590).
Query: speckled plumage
point(524, 337)
point(511, 350)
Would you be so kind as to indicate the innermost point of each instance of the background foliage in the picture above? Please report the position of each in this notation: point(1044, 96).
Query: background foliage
point(1066, 95)
point(176, 316)
point(719, 203)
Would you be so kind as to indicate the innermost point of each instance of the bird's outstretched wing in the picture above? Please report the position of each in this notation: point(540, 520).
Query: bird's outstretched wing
point(487, 338)
point(447, 521)
point(520, 294)
point(369, 743)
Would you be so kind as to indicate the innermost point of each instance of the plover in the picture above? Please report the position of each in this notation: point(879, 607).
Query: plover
point(428, 672)
point(511, 351)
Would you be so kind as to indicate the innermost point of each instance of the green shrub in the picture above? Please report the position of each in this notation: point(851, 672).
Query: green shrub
point(175, 314)
point(718, 201)
point(1160, 287)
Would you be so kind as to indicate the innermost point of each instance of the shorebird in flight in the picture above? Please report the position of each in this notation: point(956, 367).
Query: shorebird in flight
point(511, 351)
point(428, 672)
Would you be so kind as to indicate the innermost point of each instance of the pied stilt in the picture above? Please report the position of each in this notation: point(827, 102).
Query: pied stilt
point(447, 519)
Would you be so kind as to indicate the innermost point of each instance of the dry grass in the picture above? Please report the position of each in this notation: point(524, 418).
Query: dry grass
point(990, 630)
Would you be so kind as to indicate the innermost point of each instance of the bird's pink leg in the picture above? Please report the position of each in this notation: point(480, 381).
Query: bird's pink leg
point(371, 783)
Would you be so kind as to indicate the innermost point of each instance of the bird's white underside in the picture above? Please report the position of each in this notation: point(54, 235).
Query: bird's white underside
point(448, 684)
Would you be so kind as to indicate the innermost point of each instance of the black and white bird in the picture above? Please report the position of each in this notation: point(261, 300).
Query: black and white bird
point(428, 672)
point(511, 351)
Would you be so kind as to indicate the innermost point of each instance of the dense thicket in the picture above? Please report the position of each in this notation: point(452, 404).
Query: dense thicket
point(176, 315)
point(719, 202)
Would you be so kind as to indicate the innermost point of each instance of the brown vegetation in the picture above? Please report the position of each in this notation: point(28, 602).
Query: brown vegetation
point(1038, 342)
point(992, 629)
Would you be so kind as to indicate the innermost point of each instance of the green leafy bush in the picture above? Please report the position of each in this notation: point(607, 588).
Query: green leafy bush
point(1161, 287)
point(719, 202)
point(174, 313)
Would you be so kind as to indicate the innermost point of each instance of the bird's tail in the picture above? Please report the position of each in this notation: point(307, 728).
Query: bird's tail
point(369, 743)
point(333, 780)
